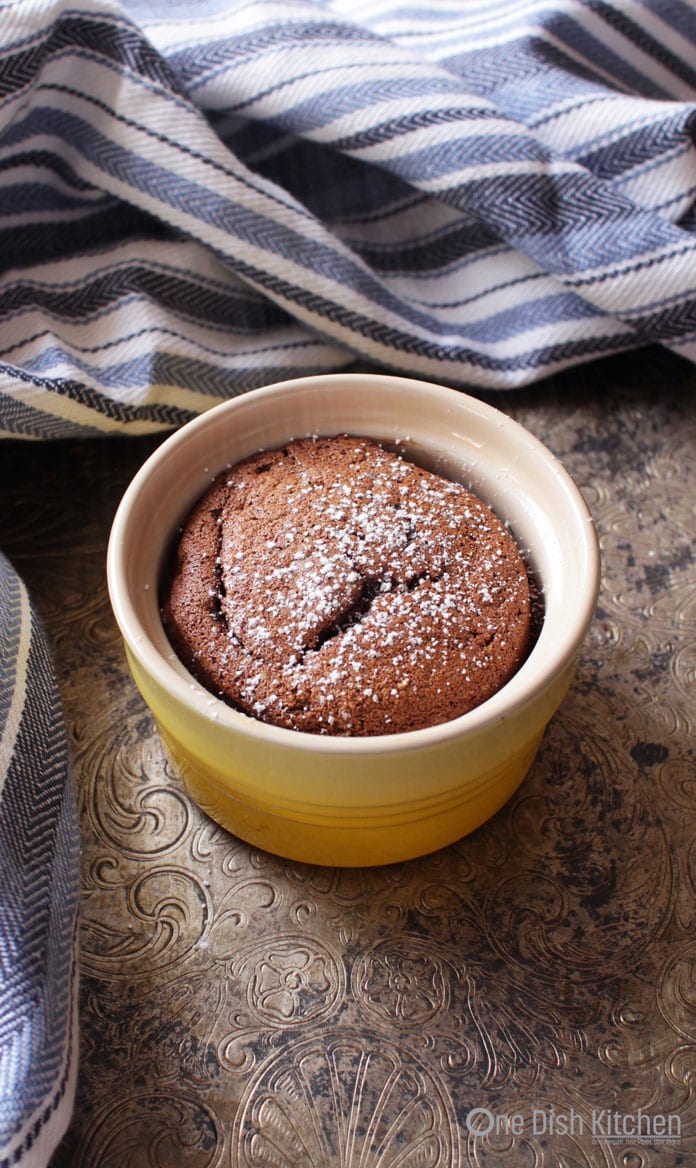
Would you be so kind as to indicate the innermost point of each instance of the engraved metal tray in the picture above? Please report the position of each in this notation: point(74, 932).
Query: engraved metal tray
point(523, 999)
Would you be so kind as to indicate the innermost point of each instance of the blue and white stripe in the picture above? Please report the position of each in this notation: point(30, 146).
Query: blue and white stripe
point(197, 199)
point(38, 891)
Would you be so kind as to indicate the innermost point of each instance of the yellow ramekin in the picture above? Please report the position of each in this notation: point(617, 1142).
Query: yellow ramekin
point(379, 799)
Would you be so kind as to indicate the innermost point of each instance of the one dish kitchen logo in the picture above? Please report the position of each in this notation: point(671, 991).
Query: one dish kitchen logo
point(601, 1124)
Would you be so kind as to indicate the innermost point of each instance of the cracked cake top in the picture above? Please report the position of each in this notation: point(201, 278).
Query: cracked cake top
point(332, 586)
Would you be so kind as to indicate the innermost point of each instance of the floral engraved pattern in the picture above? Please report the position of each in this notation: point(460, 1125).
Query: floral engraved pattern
point(401, 982)
point(292, 980)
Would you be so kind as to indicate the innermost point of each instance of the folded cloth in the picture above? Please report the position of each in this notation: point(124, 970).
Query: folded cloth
point(38, 891)
point(200, 197)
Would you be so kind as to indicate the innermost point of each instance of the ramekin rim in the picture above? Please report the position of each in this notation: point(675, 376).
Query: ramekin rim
point(496, 709)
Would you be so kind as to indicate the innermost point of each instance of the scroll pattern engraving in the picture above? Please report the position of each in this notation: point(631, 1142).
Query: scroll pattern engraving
point(157, 1129)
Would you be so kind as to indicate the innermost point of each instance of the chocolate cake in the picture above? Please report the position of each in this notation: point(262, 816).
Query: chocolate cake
point(335, 587)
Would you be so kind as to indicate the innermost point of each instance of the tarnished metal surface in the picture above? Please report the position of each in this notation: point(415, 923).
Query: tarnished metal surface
point(240, 1010)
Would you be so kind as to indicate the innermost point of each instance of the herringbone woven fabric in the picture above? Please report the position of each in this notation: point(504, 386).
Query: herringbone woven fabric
point(38, 891)
point(197, 199)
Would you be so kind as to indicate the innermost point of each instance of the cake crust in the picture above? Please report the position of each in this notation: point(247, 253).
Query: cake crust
point(334, 587)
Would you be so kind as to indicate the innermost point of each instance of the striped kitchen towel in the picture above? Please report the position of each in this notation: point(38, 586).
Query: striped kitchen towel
point(199, 197)
point(38, 891)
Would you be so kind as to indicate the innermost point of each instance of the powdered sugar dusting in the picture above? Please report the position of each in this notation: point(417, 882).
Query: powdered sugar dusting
point(347, 590)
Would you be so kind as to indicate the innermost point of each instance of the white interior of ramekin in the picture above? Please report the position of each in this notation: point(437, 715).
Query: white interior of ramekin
point(453, 432)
